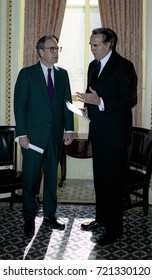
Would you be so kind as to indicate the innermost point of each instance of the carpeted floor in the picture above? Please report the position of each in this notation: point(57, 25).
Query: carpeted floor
point(72, 243)
point(76, 204)
point(77, 191)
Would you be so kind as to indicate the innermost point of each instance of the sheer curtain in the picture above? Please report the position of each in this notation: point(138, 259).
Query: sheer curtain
point(41, 17)
point(125, 18)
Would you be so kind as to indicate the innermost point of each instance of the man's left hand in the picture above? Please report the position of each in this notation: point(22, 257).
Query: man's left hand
point(68, 138)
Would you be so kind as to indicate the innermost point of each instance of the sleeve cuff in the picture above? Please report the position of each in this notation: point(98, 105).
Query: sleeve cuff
point(101, 105)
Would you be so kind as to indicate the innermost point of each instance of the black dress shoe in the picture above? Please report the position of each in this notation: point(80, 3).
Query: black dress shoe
point(91, 225)
point(29, 227)
point(54, 223)
point(107, 239)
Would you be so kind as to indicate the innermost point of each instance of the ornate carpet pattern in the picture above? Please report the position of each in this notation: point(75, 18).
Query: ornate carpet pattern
point(72, 243)
point(77, 191)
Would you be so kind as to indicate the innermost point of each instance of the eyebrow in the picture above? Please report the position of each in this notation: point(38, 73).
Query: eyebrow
point(95, 45)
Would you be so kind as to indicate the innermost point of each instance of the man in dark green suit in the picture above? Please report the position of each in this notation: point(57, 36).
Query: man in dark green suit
point(110, 95)
point(41, 120)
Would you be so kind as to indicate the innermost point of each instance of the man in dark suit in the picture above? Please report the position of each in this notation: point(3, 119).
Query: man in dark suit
point(41, 120)
point(110, 95)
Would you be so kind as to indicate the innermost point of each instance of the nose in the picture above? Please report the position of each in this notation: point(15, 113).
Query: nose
point(92, 47)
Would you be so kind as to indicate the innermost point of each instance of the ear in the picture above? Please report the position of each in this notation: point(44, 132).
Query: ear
point(41, 53)
point(108, 45)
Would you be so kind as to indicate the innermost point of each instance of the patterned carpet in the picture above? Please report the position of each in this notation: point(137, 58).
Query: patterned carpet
point(77, 191)
point(72, 243)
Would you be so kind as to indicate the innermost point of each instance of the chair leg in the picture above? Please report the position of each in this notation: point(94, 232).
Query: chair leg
point(145, 201)
point(12, 198)
point(127, 201)
point(145, 208)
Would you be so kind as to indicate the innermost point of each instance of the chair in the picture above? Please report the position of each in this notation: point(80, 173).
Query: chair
point(10, 178)
point(136, 191)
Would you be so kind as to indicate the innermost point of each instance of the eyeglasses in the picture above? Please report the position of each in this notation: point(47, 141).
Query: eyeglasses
point(53, 49)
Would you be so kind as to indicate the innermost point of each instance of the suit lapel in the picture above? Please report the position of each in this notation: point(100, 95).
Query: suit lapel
point(40, 78)
point(57, 73)
point(41, 82)
point(108, 67)
point(57, 83)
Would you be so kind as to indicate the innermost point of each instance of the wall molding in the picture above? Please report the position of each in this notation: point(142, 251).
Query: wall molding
point(11, 54)
point(8, 62)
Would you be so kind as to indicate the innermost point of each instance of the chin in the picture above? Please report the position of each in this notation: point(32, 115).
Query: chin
point(96, 57)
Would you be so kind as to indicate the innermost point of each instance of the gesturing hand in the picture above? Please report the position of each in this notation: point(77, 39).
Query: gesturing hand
point(90, 98)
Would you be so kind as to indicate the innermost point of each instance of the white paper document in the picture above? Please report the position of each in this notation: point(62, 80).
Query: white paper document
point(76, 111)
point(32, 147)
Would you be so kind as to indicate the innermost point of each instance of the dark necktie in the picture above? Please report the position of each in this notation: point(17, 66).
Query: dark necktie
point(95, 74)
point(50, 84)
point(97, 69)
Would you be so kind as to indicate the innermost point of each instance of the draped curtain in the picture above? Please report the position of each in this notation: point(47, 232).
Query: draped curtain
point(125, 18)
point(41, 17)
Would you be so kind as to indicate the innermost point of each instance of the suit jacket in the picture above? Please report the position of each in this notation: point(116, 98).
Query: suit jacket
point(36, 115)
point(117, 85)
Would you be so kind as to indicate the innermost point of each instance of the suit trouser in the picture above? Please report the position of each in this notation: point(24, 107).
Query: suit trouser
point(32, 165)
point(109, 168)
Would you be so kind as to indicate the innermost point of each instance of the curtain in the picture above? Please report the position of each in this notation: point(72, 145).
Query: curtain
point(125, 18)
point(41, 17)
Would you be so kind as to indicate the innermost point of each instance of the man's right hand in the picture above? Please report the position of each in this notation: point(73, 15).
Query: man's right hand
point(24, 142)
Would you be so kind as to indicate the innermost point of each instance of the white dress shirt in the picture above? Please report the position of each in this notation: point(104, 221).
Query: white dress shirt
point(103, 63)
point(45, 72)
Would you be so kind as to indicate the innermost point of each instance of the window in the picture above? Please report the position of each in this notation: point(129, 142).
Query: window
point(81, 16)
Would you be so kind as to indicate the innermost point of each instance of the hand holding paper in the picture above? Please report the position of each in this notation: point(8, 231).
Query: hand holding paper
point(31, 146)
point(76, 111)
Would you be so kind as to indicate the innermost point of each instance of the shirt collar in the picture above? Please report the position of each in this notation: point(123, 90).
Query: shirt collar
point(105, 59)
point(44, 68)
